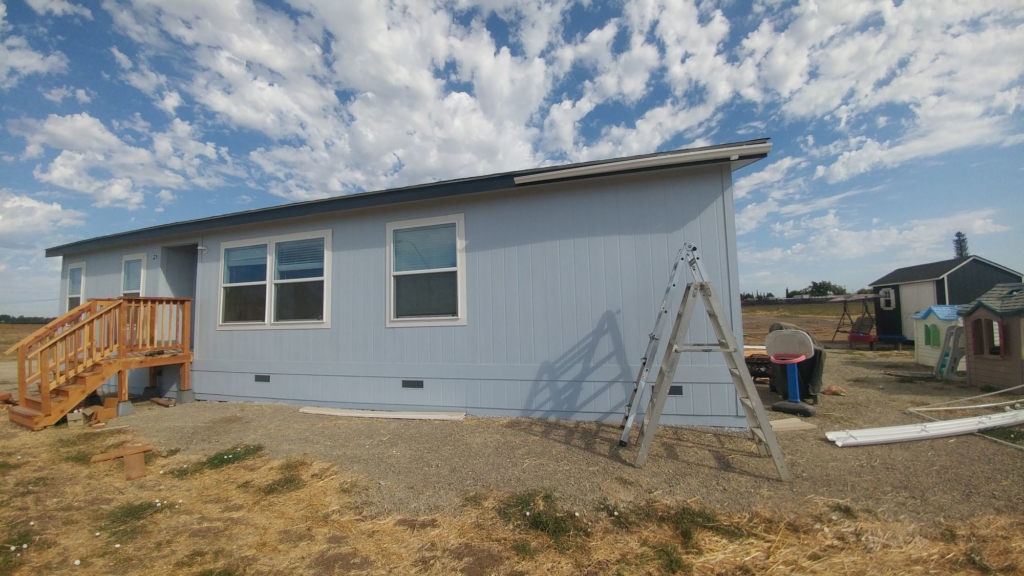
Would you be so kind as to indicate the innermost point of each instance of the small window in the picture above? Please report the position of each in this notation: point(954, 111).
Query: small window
point(887, 299)
point(133, 274)
point(426, 270)
point(987, 337)
point(932, 337)
point(245, 285)
point(76, 284)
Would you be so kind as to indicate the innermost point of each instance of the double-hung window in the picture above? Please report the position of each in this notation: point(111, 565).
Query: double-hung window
point(133, 274)
point(887, 298)
point(426, 272)
point(279, 282)
point(76, 285)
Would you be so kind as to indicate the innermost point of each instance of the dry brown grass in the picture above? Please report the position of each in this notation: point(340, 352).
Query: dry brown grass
point(300, 516)
point(11, 334)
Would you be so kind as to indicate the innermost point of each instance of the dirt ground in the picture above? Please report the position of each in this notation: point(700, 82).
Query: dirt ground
point(392, 496)
point(428, 467)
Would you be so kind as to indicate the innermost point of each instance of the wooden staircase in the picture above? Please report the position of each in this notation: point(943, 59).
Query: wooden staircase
point(63, 362)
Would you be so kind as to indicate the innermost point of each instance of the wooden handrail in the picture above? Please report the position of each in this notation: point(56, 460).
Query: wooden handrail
point(67, 318)
point(97, 331)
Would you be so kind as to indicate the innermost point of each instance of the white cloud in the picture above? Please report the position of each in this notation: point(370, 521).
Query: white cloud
point(828, 238)
point(164, 197)
point(24, 219)
point(57, 94)
point(170, 102)
point(94, 161)
point(769, 175)
point(18, 59)
point(59, 8)
point(82, 96)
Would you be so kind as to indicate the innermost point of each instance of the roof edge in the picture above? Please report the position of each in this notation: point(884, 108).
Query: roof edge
point(736, 152)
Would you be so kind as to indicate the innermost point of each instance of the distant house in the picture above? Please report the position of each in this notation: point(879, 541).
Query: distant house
point(994, 325)
point(907, 291)
point(528, 293)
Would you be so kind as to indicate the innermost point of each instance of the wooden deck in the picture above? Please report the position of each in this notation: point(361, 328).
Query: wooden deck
point(63, 362)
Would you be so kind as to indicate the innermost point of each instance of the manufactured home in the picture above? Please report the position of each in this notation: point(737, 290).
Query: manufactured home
point(907, 291)
point(529, 293)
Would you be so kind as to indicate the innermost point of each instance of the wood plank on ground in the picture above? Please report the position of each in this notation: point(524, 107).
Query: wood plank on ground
point(126, 451)
point(791, 424)
point(383, 414)
point(134, 466)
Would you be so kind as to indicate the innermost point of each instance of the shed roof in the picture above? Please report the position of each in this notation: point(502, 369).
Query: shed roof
point(931, 271)
point(737, 154)
point(1002, 300)
point(946, 313)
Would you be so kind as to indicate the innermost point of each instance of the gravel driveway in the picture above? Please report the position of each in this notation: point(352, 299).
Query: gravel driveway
point(426, 467)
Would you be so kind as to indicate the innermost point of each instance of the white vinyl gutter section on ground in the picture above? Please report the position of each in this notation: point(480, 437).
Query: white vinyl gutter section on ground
point(938, 429)
point(731, 153)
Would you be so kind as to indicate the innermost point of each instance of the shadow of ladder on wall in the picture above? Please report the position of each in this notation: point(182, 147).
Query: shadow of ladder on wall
point(757, 419)
point(65, 361)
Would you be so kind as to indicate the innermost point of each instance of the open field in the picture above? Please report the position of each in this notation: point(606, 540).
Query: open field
point(327, 495)
point(11, 334)
point(819, 320)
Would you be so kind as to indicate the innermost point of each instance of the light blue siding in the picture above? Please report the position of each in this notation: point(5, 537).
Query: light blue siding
point(563, 283)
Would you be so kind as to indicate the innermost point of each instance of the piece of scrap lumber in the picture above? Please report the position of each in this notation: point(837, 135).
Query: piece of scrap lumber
point(383, 414)
point(7, 398)
point(165, 402)
point(135, 466)
point(126, 451)
point(791, 424)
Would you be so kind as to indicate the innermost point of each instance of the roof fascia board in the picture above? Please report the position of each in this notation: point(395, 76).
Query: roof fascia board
point(907, 282)
point(732, 153)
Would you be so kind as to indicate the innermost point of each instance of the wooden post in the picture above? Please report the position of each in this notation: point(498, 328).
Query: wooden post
point(122, 330)
point(185, 372)
point(152, 376)
point(186, 326)
point(122, 385)
point(44, 382)
point(22, 377)
point(153, 336)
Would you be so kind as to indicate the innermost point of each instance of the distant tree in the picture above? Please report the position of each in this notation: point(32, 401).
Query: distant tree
point(9, 319)
point(746, 296)
point(865, 291)
point(960, 245)
point(825, 288)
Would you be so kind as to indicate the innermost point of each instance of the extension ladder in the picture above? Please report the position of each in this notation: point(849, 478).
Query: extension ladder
point(760, 428)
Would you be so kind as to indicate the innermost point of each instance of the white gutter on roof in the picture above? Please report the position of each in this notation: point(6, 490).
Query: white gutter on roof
point(939, 429)
point(683, 157)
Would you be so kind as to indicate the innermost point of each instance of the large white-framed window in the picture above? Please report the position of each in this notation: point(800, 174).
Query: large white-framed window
point(887, 298)
point(426, 272)
point(133, 274)
point(276, 282)
point(76, 286)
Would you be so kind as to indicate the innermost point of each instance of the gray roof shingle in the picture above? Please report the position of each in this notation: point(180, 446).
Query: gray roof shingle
point(920, 272)
point(1001, 300)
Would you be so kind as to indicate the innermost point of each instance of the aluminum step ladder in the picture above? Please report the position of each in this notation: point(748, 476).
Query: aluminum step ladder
point(760, 427)
point(640, 383)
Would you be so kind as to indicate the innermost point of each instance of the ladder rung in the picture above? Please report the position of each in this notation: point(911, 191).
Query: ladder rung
point(759, 434)
point(703, 348)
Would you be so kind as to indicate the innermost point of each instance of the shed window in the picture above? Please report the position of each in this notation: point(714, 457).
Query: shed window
point(133, 274)
point(931, 335)
point(426, 272)
point(76, 281)
point(887, 299)
point(295, 295)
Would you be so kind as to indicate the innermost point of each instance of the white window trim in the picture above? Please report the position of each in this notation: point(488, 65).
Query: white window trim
point(891, 298)
point(67, 292)
point(142, 274)
point(460, 259)
point(268, 312)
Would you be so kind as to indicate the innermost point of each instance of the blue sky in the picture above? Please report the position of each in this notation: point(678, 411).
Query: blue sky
point(894, 124)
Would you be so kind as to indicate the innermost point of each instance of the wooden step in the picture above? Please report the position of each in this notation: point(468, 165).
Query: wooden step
point(35, 402)
point(25, 412)
point(69, 390)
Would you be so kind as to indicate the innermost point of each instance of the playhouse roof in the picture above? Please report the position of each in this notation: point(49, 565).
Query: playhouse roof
point(946, 313)
point(1002, 300)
